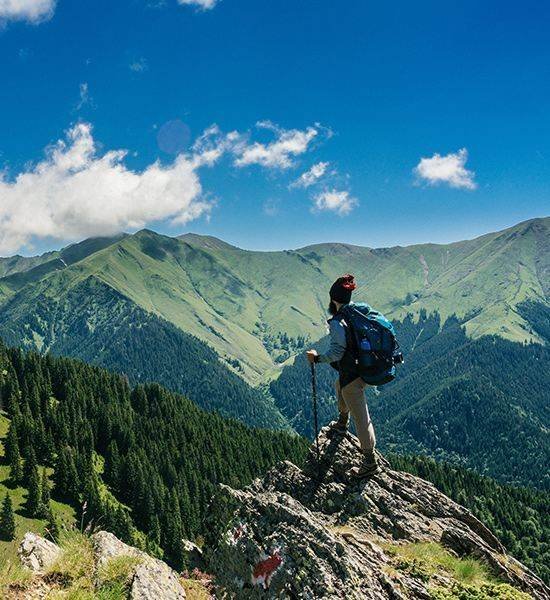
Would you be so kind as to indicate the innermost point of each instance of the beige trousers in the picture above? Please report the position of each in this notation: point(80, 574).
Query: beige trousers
point(351, 399)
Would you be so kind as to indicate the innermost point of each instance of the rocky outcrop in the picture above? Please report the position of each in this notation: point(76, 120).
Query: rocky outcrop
point(149, 578)
point(37, 553)
point(152, 578)
point(315, 533)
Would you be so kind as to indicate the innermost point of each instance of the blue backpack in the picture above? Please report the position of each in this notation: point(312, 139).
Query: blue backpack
point(374, 347)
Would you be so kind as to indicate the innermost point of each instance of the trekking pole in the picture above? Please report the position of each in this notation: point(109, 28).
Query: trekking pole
point(315, 417)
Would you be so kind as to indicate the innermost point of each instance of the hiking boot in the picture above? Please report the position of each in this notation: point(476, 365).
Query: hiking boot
point(340, 425)
point(368, 467)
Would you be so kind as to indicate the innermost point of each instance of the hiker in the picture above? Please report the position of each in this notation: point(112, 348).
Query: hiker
point(350, 387)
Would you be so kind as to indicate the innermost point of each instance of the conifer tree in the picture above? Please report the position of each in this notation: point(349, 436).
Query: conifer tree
point(52, 524)
point(7, 520)
point(12, 443)
point(34, 497)
point(30, 465)
point(12, 454)
point(44, 494)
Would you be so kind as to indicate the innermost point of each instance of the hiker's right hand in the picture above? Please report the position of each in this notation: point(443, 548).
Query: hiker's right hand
point(311, 354)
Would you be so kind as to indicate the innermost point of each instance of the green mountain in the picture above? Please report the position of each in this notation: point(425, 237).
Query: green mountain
point(223, 325)
point(95, 322)
point(258, 308)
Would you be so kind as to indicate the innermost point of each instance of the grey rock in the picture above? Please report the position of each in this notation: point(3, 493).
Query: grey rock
point(152, 578)
point(155, 579)
point(193, 555)
point(37, 553)
point(315, 533)
point(107, 546)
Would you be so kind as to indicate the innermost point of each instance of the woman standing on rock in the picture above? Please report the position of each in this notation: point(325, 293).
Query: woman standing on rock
point(350, 388)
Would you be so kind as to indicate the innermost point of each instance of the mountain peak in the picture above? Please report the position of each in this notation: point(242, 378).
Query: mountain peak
point(312, 532)
point(206, 241)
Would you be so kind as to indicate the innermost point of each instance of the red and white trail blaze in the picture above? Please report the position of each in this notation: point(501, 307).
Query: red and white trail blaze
point(266, 568)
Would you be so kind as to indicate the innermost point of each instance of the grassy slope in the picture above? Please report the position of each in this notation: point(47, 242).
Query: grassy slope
point(8, 550)
point(221, 293)
point(92, 321)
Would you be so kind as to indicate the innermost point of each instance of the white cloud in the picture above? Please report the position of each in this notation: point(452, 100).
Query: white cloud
point(450, 169)
point(311, 176)
point(34, 11)
point(212, 144)
point(340, 202)
point(75, 192)
point(204, 4)
point(279, 153)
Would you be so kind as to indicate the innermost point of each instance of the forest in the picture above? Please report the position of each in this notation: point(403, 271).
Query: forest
point(142, 462)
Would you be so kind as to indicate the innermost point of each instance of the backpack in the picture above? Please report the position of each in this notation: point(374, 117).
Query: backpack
point(373, 344)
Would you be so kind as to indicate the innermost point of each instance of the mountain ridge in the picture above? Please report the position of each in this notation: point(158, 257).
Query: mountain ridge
point(232, 290)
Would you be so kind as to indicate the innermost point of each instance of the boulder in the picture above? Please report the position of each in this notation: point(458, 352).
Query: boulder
point(152, 578)
point(37, 553)
point(317, 533)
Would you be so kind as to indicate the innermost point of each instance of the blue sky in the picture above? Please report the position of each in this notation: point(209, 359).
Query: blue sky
point(369, 89)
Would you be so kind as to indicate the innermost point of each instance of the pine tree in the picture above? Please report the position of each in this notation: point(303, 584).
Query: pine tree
point(44, 495)
point(30, 465)
point(12, 453)
point(52, 525)
point(34, 497)
point(12, 443)
point(7, 520)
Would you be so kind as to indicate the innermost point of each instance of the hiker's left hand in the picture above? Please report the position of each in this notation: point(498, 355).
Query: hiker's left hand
point(311, 354)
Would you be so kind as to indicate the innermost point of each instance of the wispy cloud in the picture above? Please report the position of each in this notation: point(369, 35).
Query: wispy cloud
point(84, 92)
point(139, 66)
point(276, 154)
point(311, 176)
point(340, 202)
point(271, 207)
point(202, 4)
point(449, 169)
point(33, 11)
point(76, 191)
point(288, 144)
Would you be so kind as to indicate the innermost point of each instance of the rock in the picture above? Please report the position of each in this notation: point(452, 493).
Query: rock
point(37, 553)
point(193, 555)
point(152, 578)
point(314, 533)
point(107, 546)
point(155, 579)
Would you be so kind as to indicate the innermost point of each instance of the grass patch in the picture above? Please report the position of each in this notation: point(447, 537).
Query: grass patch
point(469, 578)
point(115, 577)
point(425, 559)
point(74, 569)
point(13, 574)
point(195, 590)
point(488, 591)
